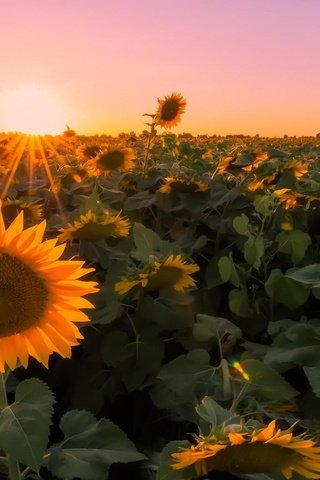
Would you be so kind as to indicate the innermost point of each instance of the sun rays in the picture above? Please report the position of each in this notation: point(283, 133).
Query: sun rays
point(31, 152)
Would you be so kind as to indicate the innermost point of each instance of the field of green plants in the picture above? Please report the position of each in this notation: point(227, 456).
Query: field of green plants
point(205, 281)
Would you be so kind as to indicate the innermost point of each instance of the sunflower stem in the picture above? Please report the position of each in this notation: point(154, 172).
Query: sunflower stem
point(13, 465)
point(147, 150)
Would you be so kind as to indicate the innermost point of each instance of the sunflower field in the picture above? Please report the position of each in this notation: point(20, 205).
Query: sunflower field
point(159, 305)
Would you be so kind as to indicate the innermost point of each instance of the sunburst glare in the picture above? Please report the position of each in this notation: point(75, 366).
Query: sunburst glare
point(32, 109)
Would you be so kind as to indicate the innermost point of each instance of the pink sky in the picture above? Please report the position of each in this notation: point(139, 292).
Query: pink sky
point(244, 66)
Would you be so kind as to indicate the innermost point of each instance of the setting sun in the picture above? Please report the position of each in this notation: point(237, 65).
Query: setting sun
point(32, 110)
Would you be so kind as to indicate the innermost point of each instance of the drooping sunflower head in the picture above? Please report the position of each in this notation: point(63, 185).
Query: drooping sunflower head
point(11, 207)
point(91, 228)
point(115, 159)
point(40, 296)
point(169, 110)
point(267, 449)
point(176, 184)
point(173, 272)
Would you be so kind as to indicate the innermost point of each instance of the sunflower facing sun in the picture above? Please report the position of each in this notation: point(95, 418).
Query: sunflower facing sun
point(40, 296)
point(268, 449)
point(169, 110)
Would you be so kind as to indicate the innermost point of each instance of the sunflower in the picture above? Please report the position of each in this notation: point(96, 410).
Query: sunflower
point(287, 197)
point(11, 208)
point(299, 168)
point(172, 184)
point(88, 227)
point(114, 159)
point(72, 175)
point(264, 450)
point(170, 110)
point(170, 273)
point(40, 296)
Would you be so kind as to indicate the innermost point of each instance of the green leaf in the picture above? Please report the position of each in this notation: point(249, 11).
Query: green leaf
point(24, 425)
point(148, 243)
point(241, 224)
point(165, 471)
point(294, 243)
point(228, 271)
point(309, 275)
point(254, 251)
point(89, 447)
point(265, 204)
point(265, 382)
point(93, 203)
point(139, 200)
point(313, 374)
point(239, 303)
point(135, 359)
point(285, 290)
point(210, 411)
point(316, 292)
point(208, 327)
point(298, 343)
point(184, 381)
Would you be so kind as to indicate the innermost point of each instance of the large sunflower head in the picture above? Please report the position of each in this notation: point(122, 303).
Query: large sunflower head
point(246, 451)
point(176, 184)
point(115, 159)
point(11, 208)
point(40, 296)
point(173, 272)
point(169, 111)
point(91, 228)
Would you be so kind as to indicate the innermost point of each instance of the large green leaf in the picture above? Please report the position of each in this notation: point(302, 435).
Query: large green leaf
point(313, 374)
point(285, 290)
point(254, 251)
point(184, 381)
point(309, 275)
point(294, 243)
point(89, 447)
point(228, 271)
point(148, 243)
point(299, 343)
point(210, 411)
point(24, 425)
point(208, 327)
point(135, 359)
point(239, 302)
point(241, 224)
point(265, 382)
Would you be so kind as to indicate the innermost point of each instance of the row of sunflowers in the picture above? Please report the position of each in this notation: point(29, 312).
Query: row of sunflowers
point(159, 305)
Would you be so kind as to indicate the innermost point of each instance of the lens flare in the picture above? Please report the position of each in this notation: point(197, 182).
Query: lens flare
point(34, 110)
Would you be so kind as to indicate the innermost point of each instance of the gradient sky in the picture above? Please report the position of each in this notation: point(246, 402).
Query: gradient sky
point(244, 66)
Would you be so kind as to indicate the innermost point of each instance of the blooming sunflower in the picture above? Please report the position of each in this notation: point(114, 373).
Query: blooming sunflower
point(11, 208)
point(114, 159)
point(40, 296)
point(170, 273)
point(265, 450)
point(172, 184)
point(88, 227)
point(170, 110)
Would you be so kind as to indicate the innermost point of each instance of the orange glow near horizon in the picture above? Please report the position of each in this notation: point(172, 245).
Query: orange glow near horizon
point(32, 110)
point(244, 66)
